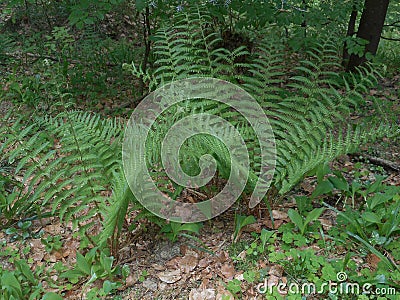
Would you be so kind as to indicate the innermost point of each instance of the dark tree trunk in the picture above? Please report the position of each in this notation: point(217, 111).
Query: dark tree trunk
point(370, 29)
point(350, 32)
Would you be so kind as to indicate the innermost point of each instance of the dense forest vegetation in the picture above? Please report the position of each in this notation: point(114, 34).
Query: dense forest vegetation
point(121, 119)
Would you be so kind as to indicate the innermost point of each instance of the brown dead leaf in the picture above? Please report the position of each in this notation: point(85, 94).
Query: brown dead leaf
point(373, 261)
point(307, 186)
point(158, 267)
point(170, 276)
point(228, 271)
point(276, 225)
point(255, 227)
point(276, 270)
point(188, 263)
point(131, 280)
point(54, 229)
point(174, 262)
point(36, 244)
point(38, 256)
point(279, 215)
point(205, 262)
point(202, 294)
point(206, 273)
point(223, 256)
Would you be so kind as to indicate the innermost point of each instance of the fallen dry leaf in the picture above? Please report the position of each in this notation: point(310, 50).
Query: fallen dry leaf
point(158, 267)
point(188, 263)
point(228, 271)
point(279, 215)
point(170, 276)
point(255, 227)
point(205, 262)
point(373, 261)
point(202, 294)
point(276, 225)
point(276, 270)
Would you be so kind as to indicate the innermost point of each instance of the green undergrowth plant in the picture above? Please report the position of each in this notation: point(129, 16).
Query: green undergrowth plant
point(309, 106)
point(58, 164)
point(302, 222)
point(67, 163)
point(63, 165)
point(173, 230)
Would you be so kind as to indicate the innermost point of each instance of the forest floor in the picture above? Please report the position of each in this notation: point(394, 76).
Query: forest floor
point(190, 269)
point(217, 264)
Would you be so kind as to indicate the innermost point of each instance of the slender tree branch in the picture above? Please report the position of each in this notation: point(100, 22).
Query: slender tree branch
point(390, 39)
point(394, 24)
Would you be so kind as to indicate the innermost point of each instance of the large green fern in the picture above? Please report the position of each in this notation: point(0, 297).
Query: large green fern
point(67, 164)
point(64, 163)
point(309, 110)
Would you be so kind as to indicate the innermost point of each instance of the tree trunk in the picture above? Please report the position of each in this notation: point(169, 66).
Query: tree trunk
point(350, 32)
point(370, 29)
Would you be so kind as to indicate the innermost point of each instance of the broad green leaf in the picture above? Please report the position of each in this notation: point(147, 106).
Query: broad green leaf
point(324, 187)
point(265, 236)
point(11, 283)
point(377, 199)
point(296, 219)
point(191, 227)
point(313, 215)
point(26, 271)
point(371, 217)
point(82, 263)
point(106, 262)
point(321, 171)
point(375, 186)
point(51, 296)
point(303, 204)
point(108, 286)
point(352, 220)
point(339, 183)
point(242, 221)
point(73, 275)
point(373, 250)
point(93, 278)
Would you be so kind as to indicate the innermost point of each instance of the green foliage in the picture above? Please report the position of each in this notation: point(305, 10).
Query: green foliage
point(379, 221)
point(94, 266)
point(173, 229)
point(302, 222)
point(21, 282)
point(300, 264)
point(88, 12)
point(234, 286)
point(64, 162)
point(306, 117)
point(264, 237)
point(240, 223)
point(52, 243)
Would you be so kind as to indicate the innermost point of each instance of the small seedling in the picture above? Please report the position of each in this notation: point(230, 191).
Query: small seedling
point(240, 223)
point(302, 222)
